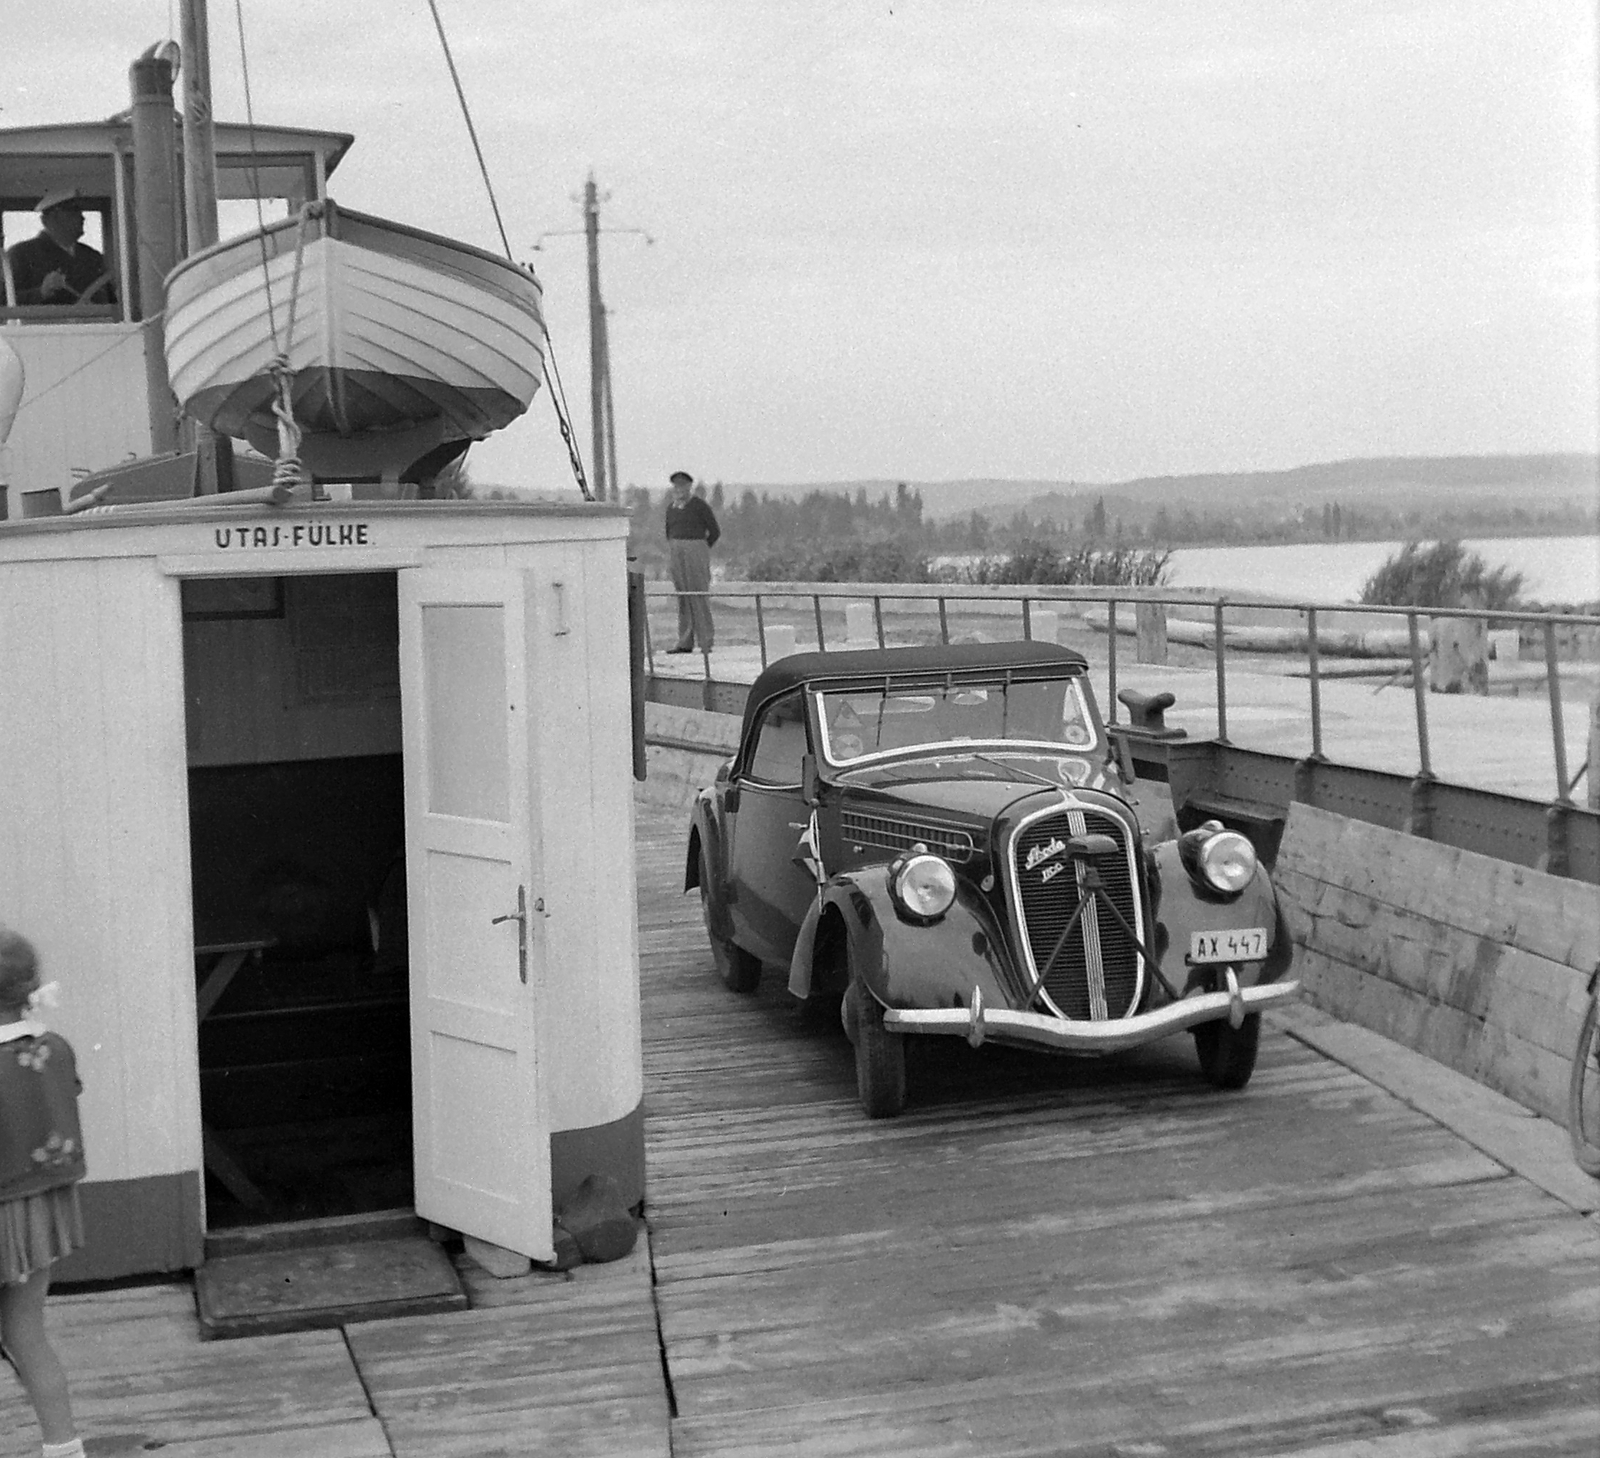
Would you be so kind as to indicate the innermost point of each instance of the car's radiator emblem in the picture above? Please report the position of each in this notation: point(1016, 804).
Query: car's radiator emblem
point(1041, 853)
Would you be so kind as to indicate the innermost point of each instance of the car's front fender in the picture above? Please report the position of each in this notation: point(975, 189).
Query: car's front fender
point(1182, 909)
point(909, 963)
point(705, 835)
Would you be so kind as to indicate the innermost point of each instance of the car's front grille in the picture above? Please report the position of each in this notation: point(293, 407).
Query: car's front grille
point(897, 834)
point(1097, 974)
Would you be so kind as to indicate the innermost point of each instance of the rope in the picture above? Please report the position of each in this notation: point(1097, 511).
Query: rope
point(255, 172)
point(287, 469)
point(552, 375)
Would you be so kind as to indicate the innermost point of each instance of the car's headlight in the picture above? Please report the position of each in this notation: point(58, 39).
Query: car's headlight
point(924, 885)
point(1223, 859)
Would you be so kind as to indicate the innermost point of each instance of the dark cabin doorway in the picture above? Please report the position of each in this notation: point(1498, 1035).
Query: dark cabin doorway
point(297, 834)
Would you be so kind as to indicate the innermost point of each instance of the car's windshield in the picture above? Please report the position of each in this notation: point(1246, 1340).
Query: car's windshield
point(858, 723)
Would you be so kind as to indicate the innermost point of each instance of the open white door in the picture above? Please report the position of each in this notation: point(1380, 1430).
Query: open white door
point(482, 1141)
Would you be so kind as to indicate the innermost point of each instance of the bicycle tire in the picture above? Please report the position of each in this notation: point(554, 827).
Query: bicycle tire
point(1583, 1093)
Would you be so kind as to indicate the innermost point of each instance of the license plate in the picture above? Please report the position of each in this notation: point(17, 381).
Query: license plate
point(1240, 944)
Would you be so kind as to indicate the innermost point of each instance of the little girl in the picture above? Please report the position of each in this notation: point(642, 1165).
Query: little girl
point(41, 1161)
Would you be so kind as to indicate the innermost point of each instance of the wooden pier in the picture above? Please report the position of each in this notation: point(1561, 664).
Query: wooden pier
point(1040, 1257)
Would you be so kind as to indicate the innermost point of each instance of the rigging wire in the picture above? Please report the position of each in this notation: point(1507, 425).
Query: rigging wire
point(472, 131)
point(558, 395)
point(255, 174)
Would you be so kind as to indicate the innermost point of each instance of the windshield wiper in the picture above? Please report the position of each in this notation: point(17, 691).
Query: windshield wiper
point(1015, 773)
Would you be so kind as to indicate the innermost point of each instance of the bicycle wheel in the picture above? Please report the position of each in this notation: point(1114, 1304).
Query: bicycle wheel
point(1583, 1093)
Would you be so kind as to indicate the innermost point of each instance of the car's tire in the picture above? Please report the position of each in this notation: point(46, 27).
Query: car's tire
point(1228, 1054)
point(880, 1057)
point(739, 970)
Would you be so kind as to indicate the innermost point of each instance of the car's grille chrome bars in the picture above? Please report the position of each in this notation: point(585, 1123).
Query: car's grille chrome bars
point(1084, 947)
point(900, 835)
point(1094, 965)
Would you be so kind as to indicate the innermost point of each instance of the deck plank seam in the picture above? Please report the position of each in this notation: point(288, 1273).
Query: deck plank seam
point(366, 1389)
point(661, 1335)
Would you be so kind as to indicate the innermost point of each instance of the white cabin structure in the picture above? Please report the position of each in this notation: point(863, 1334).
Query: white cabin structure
point(275, 785)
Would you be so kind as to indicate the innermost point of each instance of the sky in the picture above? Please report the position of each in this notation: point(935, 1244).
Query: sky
point(937, 239)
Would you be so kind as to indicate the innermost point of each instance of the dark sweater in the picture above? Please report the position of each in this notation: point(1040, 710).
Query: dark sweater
point(691, 522)
point(41, 1145)
point(35, 259)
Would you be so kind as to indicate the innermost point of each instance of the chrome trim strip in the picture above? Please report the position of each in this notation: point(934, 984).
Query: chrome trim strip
point(1068, 1036)
point(1071, 801)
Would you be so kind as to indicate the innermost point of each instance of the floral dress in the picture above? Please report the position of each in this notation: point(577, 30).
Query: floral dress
point(41, 1151)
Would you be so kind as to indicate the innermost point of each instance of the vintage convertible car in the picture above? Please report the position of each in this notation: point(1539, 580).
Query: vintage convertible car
point(947, 841)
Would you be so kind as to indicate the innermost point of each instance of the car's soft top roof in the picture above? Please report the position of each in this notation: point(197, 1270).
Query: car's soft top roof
point(799, 668)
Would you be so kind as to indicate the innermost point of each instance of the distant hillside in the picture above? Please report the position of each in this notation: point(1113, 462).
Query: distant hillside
point(1405, 483)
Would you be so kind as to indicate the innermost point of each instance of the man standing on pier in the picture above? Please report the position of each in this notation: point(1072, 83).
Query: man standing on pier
point(692, 532)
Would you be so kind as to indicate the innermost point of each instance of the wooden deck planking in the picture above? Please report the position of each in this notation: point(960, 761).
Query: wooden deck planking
point(141, 1376)
point(1043, 1256)
point(545, 1364)
point(1057, 1256)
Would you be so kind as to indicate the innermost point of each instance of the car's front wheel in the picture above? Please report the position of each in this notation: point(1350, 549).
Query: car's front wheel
point(880, 1055)
point(739, 970)
point(1228, 1054)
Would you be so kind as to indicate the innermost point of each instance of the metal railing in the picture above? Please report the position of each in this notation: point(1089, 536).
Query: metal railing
point(1313, 638)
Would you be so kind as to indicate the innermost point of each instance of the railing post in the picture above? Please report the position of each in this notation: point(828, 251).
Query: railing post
point(1316, 683)
point(1222, 676)
point(1111, 660)
point(1027, 620)
point(1419, 693)
point(1419, 819)
point(1558, 732)
point(649, 643)
point(816, 607)
point(761, 631)
point(877, 617)
point(944, 623)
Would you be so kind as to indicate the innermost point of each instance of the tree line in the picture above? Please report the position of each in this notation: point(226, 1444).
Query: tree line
point(890, 530)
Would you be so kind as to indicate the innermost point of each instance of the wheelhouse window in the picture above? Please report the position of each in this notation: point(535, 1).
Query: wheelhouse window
point(91, 297)
point(780, 745)
point(860, 723)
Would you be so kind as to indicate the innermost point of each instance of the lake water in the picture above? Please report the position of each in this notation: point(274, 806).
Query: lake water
point(1555, 569)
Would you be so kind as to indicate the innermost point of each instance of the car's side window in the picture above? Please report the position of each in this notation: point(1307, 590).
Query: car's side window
point(780, 742)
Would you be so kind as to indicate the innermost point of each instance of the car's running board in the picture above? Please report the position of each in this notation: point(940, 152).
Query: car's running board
point(977, 1023)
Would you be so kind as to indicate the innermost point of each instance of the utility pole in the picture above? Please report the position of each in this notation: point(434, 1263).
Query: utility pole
point(215, 452)
point(599, 388)
point(603, 458)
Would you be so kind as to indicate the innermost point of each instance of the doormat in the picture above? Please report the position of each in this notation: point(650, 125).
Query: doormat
point(306, 1287)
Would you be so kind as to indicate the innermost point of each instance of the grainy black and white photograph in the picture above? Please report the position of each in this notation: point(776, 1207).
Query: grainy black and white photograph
point(852, 728)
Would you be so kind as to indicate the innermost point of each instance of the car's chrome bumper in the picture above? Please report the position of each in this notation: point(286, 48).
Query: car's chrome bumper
point(977, 1023)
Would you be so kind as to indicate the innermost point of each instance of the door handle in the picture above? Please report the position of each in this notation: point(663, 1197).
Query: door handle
point(520, 916)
